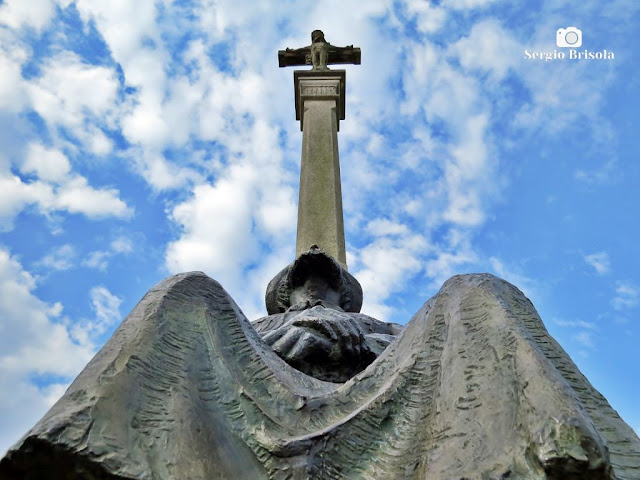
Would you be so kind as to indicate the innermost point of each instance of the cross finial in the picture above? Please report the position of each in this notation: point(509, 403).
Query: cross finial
point(319, 54)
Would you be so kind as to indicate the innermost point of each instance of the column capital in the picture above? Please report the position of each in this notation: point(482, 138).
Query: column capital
point(320, 85)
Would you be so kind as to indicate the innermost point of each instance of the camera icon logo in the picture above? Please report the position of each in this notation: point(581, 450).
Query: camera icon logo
point(569, 37)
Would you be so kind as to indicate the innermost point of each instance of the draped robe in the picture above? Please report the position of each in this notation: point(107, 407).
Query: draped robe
point(473, 388)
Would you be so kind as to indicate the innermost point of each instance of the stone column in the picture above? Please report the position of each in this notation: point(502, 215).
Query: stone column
point(320, 107)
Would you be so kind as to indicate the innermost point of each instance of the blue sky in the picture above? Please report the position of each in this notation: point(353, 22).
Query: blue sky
point(141, 139)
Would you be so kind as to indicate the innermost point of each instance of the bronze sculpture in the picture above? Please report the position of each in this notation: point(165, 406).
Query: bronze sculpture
point(473, 387)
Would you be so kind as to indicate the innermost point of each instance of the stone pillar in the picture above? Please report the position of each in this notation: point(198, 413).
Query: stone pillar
point(320, 107)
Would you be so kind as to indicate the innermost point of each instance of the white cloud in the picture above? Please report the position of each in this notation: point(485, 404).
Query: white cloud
point(599, 261)
point(34, 13)
point(71, 94)
point(106, 307)
point(447, 262)
point(524, 283)
point(134, 37)
point(583, 333)
point(560, 93)
point(16, 195)
point(440, 94)
point(382, 226)
point(55, 190)
point(77, 196)
point(122, 245)
point(585, 339)
point(159, 173)
point(12, 93)
point(605, 174)
point(74, 196)
point(49, 165)
point(467, 4)
point(387, 263)
point(146, 126)
point(33, 342)
point(627, 296)
point(468, 175)
point(576, 324)
point(488, 48)
point(97, 142)
point(32, 339)
point(98, 259)
point(429, 18)
point(80, 97)
point(124, 26)
point(61, 258)
point(246, 218)
point(69, 88)
point(569, 93)
point(218, 224)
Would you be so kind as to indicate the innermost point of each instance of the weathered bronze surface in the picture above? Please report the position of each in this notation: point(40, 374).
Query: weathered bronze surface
point(473, 388)
point(314, 324)
point(319, 54)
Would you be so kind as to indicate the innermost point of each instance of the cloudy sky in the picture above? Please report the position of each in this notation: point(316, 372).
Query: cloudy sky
point(146, 138)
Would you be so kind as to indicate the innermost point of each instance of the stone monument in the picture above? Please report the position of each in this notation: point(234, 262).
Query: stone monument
point(187, 388)
point(320, 105)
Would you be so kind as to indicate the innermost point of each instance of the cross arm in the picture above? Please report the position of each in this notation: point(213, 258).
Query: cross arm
point(292, 57)
point(347, 54)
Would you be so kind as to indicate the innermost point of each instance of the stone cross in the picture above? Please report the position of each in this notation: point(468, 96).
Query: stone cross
point(320, 105)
